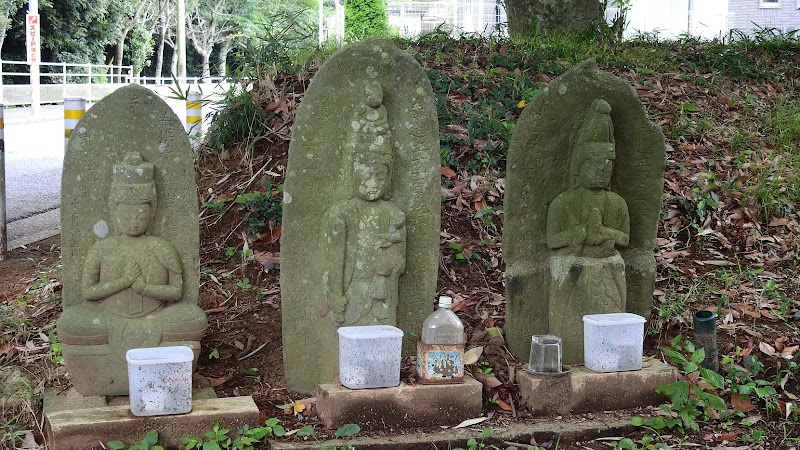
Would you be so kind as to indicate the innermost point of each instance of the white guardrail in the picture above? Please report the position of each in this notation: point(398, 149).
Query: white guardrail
point(58, 81)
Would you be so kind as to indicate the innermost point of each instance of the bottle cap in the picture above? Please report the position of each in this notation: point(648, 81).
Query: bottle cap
point(445, 301)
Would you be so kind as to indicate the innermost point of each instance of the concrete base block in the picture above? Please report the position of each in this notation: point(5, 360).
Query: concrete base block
point(87, 427)
point(399, 407)
point(581, 390)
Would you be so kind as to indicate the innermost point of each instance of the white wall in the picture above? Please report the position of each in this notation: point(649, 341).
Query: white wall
point(672, 18)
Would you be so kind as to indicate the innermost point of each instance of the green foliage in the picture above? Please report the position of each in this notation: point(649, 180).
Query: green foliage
point(149, 442)
point(365, 18)
point(237, 120)
point(140, 45)
point(485, 369)
point(692, 397)
point(347, 430)
point(276, 38)
point(646, 443)
point(261, 207)
point(55, 348)
point(219, 438)
point(10, 433)
point(78, 31)
point(244, 284)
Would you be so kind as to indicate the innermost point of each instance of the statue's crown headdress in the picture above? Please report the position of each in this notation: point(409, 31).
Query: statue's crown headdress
point(132, 180)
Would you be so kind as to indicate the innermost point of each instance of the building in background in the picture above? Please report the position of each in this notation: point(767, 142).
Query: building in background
point(709, 18)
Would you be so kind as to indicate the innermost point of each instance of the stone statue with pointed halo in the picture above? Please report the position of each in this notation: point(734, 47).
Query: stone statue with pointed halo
point(129, 240)
point(582, 202)
point(361, 211)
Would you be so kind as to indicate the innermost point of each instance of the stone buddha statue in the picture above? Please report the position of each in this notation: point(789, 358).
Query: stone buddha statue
point(131, 287)
point(366, 234)
point(585, 226)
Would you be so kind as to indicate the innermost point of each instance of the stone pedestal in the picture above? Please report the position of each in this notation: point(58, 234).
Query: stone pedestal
point(581, 390)
point(75, 422)
point(402, 406)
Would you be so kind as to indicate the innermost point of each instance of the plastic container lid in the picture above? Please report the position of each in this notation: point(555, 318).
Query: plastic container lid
point(445, 301)
point(370, 332)
point(613, 319)
point(159, 355)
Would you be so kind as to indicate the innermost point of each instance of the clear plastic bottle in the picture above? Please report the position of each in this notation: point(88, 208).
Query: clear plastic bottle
point(443, 326)
point(440, 352)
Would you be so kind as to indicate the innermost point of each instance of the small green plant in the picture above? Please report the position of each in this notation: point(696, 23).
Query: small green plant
point(244, 284)
point(218, 204)
point(646, 443)
point(485, 368)
point(261, 207)
point(460, 254)
point(486, 433)
point(692, 397)
point(10, 433)
point(756, 435)
point(346, 430)
point(214, 354)
point(233, 254)
point(149, 442)
point(219, 438)
point(55, 348)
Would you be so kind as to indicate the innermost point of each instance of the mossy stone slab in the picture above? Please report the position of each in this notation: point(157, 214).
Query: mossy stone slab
point(320, 176)
point(538, 168)
point(135, 131)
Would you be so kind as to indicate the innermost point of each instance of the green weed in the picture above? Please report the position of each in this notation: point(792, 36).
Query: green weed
point(261, 207)
point(691, 399)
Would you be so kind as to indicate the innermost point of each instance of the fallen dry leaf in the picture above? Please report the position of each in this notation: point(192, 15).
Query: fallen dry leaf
point(447, 172)
point(789, 352)
point(741, 402)
point(214, 382)
point(471, 356)
point(727, 437)
point(766, 348)
point(470, 422)
point(503, 405)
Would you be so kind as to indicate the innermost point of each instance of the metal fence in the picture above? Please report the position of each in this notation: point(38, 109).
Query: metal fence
point(58, 81)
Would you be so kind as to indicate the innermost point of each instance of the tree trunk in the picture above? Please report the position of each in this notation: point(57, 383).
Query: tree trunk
point(530, 17)
point(173, 66)
point(206, 66)
point(119, 53)
point(224, 48)
point(162, 37)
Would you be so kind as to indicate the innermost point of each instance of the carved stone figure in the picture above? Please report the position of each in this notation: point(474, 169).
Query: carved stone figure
point(129, 239)
point(360, 234)
point(366, 234)
point(132, 280)
point(582, 201)
point(585, 225)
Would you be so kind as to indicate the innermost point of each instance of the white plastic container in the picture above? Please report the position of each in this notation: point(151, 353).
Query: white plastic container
point(613, 342)
point(369, 356)
point(160, 380)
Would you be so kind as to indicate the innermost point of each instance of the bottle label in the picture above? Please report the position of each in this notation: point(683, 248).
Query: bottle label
point(439, 363)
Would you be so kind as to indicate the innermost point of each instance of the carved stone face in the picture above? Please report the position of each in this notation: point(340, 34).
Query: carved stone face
point(596, 173)
point(132, 220)
point(373, 181)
